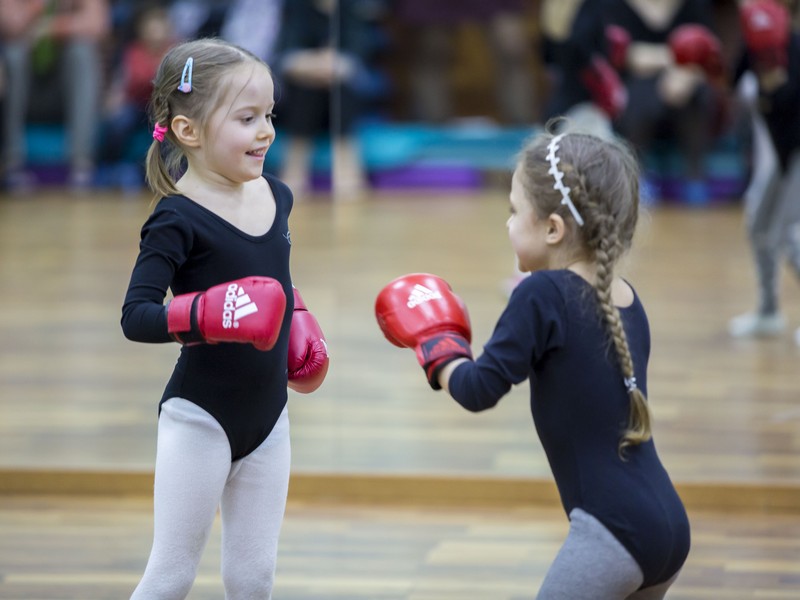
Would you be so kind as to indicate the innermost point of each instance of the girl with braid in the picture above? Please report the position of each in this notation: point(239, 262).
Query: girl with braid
point(579, 333)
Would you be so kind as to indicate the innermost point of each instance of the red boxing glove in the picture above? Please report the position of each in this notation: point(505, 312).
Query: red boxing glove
point(308, 352)
point(248, 311)
point(605, 86)
point(694, 44)
point(766, 28)
point(420, 311)
point(618, 41)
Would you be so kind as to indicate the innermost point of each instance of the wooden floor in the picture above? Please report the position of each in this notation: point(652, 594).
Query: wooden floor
point(74, 394)
point(69, 548)
point(433, 502)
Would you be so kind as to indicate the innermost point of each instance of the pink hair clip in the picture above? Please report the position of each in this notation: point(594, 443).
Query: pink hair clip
point(159, 131)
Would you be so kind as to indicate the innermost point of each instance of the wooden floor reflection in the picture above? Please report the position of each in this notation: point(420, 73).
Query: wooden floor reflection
point(74, 394)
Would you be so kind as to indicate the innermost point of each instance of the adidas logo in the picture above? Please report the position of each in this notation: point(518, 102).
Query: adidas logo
point(237, 306)
point(760, 21)
point(420, 294)
point(445, 346)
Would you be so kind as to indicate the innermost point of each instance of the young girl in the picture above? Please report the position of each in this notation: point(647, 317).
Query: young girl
point(770, 90)
point(219, 239)
point(580, 334)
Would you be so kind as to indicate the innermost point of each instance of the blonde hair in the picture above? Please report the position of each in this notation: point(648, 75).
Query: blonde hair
point(212, 60)
point(603, 181)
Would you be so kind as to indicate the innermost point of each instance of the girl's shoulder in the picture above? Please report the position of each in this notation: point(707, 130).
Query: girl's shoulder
point(552, 282)
point(175, 208)
point(546, 292)
point(280, 190)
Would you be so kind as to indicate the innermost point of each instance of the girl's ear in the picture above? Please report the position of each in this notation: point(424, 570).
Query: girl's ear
point(556, 228)
point(185, 131)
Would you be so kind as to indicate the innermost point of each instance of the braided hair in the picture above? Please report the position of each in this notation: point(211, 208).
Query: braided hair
point(602, 179)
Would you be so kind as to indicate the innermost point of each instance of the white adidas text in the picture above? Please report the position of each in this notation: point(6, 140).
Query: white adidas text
point(237, 306)
point(420, 294)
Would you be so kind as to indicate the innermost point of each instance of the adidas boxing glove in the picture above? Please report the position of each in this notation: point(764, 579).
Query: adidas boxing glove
point(248, 311)
point(766, 29)
point(695, 44)
point(308, 351)
point(605, 86)
point(618, 41)
point(420, 311)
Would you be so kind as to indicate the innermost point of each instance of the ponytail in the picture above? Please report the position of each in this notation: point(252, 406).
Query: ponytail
point(157, 171)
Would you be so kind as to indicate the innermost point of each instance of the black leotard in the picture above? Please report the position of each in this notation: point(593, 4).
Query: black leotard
point(188, 248)
point(551, 333)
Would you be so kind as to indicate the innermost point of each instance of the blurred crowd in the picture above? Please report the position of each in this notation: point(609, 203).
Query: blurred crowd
point(647, 70)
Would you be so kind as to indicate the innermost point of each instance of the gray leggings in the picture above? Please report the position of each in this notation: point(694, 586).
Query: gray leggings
point(772, 213)
point(593, 564)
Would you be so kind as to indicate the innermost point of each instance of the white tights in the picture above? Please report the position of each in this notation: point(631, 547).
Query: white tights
point(193, 476)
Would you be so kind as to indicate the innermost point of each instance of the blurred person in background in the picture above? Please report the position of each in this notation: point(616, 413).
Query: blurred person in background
point(322, 58)
point(583, 55)
point(672, 69)
point(151, 35)
point(769, 90)
point(196, 18)
point(253, 25)
point(45, 43)
point(432, 25)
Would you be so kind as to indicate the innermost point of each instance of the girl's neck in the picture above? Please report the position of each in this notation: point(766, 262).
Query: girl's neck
point(207, 188)
point(585, 269)
point(621, 292)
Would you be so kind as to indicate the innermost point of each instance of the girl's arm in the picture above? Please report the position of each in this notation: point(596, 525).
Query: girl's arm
point(444, 374)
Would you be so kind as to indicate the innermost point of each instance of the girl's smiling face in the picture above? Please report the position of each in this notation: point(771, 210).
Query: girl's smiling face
point(240, 131)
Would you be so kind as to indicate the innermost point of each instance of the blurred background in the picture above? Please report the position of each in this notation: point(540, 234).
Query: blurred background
point(433, 95)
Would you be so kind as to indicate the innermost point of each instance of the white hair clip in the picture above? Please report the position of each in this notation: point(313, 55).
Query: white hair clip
point(630, 383)
point(186, 77)
point(558, 175)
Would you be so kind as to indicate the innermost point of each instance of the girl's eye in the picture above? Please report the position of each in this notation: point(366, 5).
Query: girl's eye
point(271, 116)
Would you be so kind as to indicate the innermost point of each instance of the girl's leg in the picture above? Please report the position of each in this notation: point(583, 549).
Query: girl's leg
point(591, 564)
point(83, 74)
point(789, 217)
point(253, 505)
point(655, 592)
point(16, 56)
point(761, 205)
point(192, 464)
point(789, 212)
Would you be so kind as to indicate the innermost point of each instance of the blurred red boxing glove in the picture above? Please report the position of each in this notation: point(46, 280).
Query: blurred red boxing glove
point(248, 311)
point(695, 44)
point(618, 40)
point(605, 86)
point(420, 311)
point(766, 28)
point(308, 352)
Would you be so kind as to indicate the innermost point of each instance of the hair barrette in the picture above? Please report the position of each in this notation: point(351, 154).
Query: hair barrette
point(185, 85)
point(159, 131)
point(558, 175)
